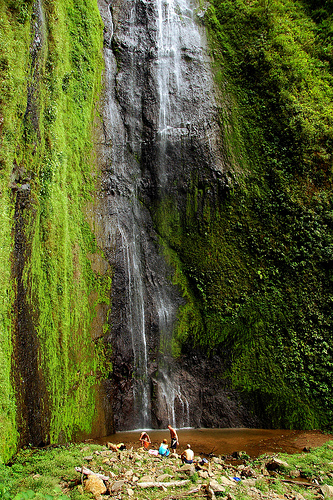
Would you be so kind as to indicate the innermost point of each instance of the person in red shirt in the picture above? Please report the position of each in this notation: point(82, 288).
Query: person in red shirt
point(145, 440)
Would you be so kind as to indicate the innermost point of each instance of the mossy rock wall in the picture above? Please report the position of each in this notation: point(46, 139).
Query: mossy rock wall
point(51, 364)
point(254, 261)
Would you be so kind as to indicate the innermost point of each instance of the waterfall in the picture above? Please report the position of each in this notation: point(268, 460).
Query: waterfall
point(158, 120)
point(122, 222)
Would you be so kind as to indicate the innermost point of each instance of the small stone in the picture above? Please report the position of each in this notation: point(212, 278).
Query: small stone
point(129, 473)
point(327, 491)
point(146, 479)
point(117, 486)
point(130, 492)
point(88, 458)
point(163, 477)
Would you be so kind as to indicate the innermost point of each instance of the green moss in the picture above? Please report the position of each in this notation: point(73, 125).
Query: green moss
point(14, 46)
point(52, 145)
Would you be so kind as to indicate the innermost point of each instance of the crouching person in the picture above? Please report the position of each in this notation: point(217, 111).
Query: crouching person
point(164, 449)
point(188, 455)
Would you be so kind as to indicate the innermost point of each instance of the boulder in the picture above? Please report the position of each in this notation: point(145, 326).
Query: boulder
point(188, 469)
point(227, 482)
point(216, 487)
point(203, 474)
point(95, 485)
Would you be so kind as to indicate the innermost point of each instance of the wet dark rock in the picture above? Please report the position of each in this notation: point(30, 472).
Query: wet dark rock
point(160, 128)
point(275, 464)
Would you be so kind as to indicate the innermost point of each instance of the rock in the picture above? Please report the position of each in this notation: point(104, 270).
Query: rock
point(117, 486)
point(227, 482)
point(105, 453)
point(146, 479)
point(248, 483)
point(163, 477)
point(295, 473)
point(216, 487)
point(275, 463)
point(112, 446)
point(210, 492)
point(95, 485)
point(203, 474)
point(188, 469)
point(155, 484)
point(130, 492)
point(89, 458)
point(129, 473)
point(248, 472)
point(327, 491)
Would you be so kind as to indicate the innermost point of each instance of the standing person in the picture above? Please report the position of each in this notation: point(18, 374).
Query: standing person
point(188, 455)
point(145, 440)
point(174, 438)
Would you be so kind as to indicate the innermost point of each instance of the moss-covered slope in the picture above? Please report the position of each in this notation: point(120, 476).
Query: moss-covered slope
point(255, 261)
point(50, 78)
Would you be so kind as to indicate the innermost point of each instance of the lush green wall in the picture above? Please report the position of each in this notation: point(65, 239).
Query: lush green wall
point(48, 100)
point(255, 261)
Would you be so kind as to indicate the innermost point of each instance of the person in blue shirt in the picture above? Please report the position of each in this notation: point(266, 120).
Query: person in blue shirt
point(164, 449)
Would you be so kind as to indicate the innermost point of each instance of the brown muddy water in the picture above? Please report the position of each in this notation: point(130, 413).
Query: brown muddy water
point(254, 442)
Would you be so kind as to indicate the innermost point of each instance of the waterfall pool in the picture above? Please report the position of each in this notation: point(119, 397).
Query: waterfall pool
point(254, 442)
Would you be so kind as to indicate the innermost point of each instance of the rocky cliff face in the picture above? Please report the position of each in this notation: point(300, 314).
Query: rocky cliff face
point(160, 131)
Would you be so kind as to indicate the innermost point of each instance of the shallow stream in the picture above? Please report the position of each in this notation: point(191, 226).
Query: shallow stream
point(254, 442)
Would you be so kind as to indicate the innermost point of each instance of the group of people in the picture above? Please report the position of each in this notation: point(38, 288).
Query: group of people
point(187, 456)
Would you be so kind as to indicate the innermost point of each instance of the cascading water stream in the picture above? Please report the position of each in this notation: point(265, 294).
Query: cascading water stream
point(122, 225)
point(175, 24)
point(158, 119)
point(136, 321)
